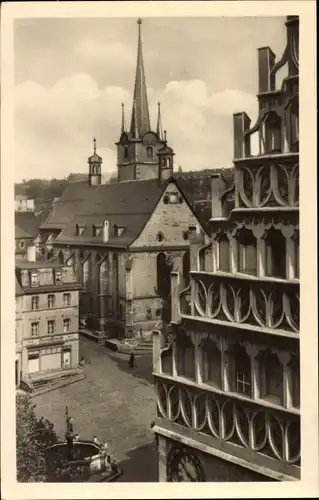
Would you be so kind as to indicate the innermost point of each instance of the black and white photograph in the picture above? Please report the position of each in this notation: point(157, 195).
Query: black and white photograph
point(156, 249)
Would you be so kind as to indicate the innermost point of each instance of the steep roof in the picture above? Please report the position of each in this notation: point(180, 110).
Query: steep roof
point(20, 233)
point(124, 204)
point(28, 222)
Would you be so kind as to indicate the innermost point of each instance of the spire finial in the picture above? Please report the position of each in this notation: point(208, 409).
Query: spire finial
point(159, 129)
point(165, 135)
point(123, 126)
point(94, 145)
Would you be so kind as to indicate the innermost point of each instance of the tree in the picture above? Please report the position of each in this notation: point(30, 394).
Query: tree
point(33, 438)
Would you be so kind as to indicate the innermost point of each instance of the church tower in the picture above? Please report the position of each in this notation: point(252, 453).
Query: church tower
point(140, 149)
point(95, 164)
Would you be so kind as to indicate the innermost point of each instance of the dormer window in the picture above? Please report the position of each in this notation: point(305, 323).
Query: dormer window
point(34, 279)
point(97, 230)
point(79, 230)
point(58, 277)
point(149, 151)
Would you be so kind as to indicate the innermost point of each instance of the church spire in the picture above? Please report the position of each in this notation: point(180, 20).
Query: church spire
point(159, 128)
point(140, 113)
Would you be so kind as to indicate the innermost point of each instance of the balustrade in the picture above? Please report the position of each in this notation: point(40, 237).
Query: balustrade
point(243, 301)
point(271, 185)
point(265, 431)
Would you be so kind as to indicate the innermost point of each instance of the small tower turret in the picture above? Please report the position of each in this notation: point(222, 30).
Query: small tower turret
point(95, 164)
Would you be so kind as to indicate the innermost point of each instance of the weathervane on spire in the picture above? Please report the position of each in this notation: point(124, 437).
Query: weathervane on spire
point(139, 21)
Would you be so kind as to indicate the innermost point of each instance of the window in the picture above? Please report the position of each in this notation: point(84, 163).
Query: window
point(186, 266)
point(185, 235)
point(271, 374)
point(167, 361)
point(35, 303)
point(79, 230)
point(51, 301)
point(185, 357)
point(58, 277)
point(66, 325)
point(125, 152)
point(276, 254)
point(51, 326)
point(247, 253)
point(295, 380)
point(66, 299)
point(22, 244)
point(272, 133)
point(211, 363)
point(297, 261)
point(160, 236)
point(34, 279)
point(242, 371)
point(35, 329)
point(224, 254)
point(294, 126)
point(96, 231)
point(149, 151)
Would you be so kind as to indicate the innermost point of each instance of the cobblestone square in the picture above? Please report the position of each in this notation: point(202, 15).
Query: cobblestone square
point(115, 403)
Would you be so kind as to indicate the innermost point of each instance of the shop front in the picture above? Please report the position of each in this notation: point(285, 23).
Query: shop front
point(51, 355)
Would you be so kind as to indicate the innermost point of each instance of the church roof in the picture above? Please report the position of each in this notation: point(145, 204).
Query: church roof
point(123, 204)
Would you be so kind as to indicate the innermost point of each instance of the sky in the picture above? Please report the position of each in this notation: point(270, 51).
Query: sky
point(71, 76)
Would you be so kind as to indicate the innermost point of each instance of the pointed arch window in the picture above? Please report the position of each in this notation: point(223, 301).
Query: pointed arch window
point(61, 257)
point(125, 152)
point(223, 245)
point(276, 254)
point(247, 252)
point(273, 133)
point(86, 273)
point(185, 356)
point(211, 363)
point(241, 370)
point(271, 377)
point(149, 151)
point(167, 361)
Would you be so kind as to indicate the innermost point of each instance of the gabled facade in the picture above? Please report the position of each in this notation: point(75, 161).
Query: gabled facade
point(227, 379)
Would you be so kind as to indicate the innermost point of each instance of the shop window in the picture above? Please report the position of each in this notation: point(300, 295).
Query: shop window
point(185, 357)
point(211, 363)
point(51, 301)
point(273, 133)
point(34, 303)
point(66, 299)
point(224, 253)
point(51, 326)
point(271, 378)
point(35, 329)
point(66, 325)
point(66, 356)
point(247, 253)
point(241, 371)
point(276, 254)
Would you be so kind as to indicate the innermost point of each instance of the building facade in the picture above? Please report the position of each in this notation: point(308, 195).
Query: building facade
point(47, 319)
point(124, 238)
point(227, 378)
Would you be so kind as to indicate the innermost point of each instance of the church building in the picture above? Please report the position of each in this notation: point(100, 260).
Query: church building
point(227, 376)
point(124, 238)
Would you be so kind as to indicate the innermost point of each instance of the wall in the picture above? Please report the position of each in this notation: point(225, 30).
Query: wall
point(126, 172)
point(171, 219)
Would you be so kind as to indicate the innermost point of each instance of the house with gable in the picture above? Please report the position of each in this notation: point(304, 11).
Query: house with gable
point(125, 238)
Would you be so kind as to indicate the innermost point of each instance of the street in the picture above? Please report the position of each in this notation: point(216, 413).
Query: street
point(115, 403)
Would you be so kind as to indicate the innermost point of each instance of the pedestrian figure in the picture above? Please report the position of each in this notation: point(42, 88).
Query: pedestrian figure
point(131, 360)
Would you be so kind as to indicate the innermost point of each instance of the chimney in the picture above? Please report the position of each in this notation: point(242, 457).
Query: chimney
point(266, 61)
point(218, 186)
point(105, 231)
point(241, 143)
point(31, 253)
